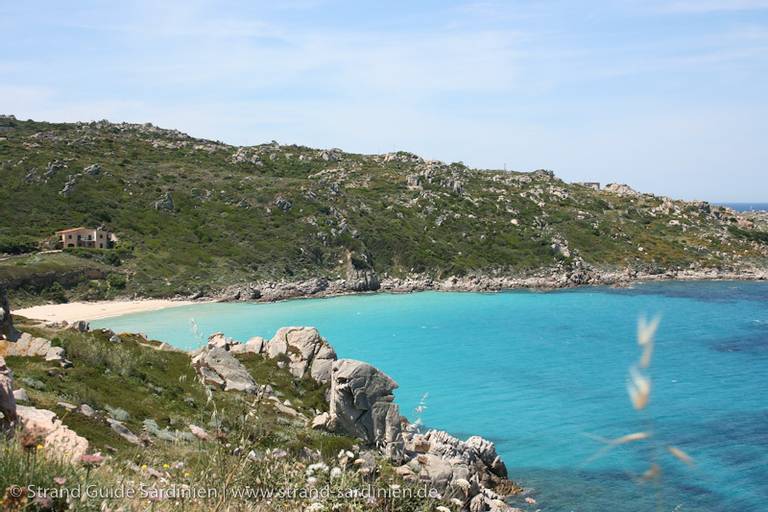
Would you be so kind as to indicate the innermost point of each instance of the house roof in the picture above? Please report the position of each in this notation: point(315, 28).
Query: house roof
point(70, 230)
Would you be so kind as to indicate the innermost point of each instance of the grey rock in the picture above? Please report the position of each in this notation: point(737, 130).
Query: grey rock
point(115, 339)
point(54, 354)
point(308, 353)
point(165, 434)
point(211, 378)
point(69, 185)
point(165, 203)
point(458, 469)
point(217, 366)
point(123, 431)
point(245, 292)
point(320, 421)
point(218, 340)
point(80, 326)
point(52, 168)
point(92, 170)
point(117, 413)
point(283, 203)
point(362, 405)
point(20, 395)
point(486, 450)
point(256, 345)
point(621, 189)
point(87, 410)
point(282, 291)
point(33, 383)
point(66, 405)
point(27, 346)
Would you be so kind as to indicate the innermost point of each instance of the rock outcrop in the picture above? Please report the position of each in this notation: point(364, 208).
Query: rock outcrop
point(359, 276)
point(362, 405)
point(621, 189)
point(244, 292)
point(309, 355)
point(164, 203)
point(281, 291)
point(31, 346)
point(7, 399)
point(55, 437)
point(219, 368)
point(120, 429)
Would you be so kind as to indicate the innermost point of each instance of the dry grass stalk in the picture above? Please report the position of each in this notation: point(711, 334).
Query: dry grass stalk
point(646, 332)
point(680, 455)
point(639, 389)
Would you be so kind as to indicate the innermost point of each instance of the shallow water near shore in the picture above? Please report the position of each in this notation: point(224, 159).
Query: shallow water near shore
point(540, 374)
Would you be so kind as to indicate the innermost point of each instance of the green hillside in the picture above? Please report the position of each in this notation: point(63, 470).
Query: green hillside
point(197, 215)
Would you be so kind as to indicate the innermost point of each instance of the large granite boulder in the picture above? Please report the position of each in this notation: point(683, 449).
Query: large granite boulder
point(7, 331)
point(308, 353)
point(56, 437)
point(218, 367)
point(30, 346)
point(362, 405)
point(7, 400)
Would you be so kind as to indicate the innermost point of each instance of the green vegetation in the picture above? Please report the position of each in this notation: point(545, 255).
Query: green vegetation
point(278, 212)
point(252, 444)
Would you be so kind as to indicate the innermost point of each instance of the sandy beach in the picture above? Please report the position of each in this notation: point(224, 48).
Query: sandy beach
point(88, 311)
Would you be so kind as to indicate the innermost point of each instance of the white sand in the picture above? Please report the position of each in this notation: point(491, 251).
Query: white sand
point(88, 311)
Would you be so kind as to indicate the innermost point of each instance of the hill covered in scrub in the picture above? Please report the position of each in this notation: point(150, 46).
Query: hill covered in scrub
point(198, 216)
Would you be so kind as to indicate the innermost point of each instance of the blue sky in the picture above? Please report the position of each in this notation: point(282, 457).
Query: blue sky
point(668, 96)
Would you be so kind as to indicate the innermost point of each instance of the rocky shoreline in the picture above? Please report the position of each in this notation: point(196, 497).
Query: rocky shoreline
point(550, 279)
point(467, 473)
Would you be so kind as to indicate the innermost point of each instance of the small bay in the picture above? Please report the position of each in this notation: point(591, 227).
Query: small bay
point(543, 374)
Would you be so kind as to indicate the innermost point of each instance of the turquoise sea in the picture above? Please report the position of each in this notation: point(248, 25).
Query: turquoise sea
point(542, 374)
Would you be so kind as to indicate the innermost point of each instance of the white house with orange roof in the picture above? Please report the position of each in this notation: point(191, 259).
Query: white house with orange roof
point(86, 237)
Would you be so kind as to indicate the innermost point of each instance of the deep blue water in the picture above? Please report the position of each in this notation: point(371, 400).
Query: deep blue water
point(746, 207)
point(541, 373)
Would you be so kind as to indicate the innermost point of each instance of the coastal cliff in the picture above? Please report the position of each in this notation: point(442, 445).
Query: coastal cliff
point(195, 217)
